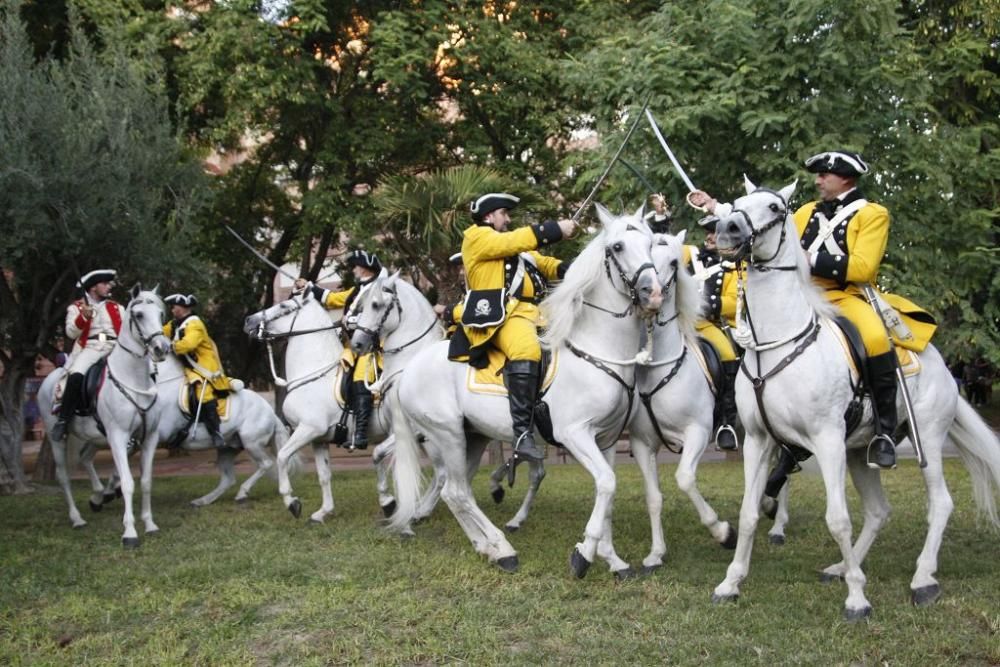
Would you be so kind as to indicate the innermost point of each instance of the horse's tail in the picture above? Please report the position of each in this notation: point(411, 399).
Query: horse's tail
point(279, 436)
point(407, 477)
point(979, 448)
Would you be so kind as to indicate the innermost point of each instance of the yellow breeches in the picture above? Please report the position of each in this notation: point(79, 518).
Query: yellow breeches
point(365, 369)
point(209, 394)
point(718, 338)
point(861, 315)
point(517, 338)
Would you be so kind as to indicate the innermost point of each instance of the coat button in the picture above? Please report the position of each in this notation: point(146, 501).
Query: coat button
point(839, 257)
point(507, 266)
point(836, 272)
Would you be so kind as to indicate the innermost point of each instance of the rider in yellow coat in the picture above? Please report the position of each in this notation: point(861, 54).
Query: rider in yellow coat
point(506, 280)
point(362, 371)
point(716, 281)
point(200, 356)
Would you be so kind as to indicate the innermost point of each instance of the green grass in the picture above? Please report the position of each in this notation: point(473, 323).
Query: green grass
point(249, 584)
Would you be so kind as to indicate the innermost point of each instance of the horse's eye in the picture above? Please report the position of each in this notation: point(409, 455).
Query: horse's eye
point(138, 316)
point(618, 247)
point(774, 208)
point(376, 306)
point(673, 265)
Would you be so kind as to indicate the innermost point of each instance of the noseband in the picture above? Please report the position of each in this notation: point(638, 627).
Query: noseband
point(746, 248)
point(134, 330)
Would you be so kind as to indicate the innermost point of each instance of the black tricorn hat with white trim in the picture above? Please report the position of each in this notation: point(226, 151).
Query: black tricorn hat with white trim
point(491, 202)
point(840, 162)
point(456, 259)
point(95, 277)
point(708, 223)
point(187, 300)
point(364, 259)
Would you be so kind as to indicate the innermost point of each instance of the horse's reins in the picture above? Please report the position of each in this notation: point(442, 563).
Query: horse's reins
point(126, 391)
point(269, 338)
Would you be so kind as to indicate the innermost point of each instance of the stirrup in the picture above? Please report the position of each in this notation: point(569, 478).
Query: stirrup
point(727, 428)
point(881, 459)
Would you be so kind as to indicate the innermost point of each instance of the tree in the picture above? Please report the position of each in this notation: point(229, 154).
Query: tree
point(92, 175)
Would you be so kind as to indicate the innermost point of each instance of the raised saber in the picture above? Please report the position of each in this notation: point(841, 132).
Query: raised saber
point(259, 255)
point(904, 391)
point(673, 160)
point(638, 174)
point(611, 164)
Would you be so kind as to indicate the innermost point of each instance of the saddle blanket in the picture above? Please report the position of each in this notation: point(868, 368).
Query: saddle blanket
point(489, 380)
point(184, 401)
point(908, 360)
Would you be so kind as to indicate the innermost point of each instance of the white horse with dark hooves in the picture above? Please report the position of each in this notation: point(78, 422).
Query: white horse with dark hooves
point(676, 400)
point(126, 407)
point(803, 386)
point(596, 351)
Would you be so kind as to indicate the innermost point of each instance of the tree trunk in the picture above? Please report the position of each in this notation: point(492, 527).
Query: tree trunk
point(45, 464)
point(12, 479)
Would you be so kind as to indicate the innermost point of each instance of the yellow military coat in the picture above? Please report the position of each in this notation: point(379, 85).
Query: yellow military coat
point(198, 352)
point(490, 258)
point(363, 366)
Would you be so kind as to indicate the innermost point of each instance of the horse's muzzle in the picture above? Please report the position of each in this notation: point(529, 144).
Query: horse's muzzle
point(160, 348)
point(252, 323)
point(650, 294)
point(361, 342)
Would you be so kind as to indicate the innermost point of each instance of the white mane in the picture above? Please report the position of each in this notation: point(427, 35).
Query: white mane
point(814, 295)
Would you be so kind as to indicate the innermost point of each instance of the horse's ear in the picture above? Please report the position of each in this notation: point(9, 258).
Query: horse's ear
point(787, 191)
point(134, 292)
point(156, 289)
point(640, 213)
point(603, 214)
point(391, 280)
point(748, 184)
point(681, 235)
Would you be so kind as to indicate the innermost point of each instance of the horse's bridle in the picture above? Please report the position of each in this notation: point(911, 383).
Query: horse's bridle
point(376, 333)
point(746, 248)
point(145, 340)
point(264, 335)
point(632, 294)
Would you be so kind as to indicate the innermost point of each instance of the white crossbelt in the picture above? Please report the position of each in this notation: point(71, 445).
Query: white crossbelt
point(825, 235)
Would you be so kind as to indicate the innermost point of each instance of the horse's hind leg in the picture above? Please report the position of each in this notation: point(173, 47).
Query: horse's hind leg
point(321, 452)
point(536, 473)
point(380, 458)
point(868, 482)
point(695, 443)
point(59, 456)
point(645, 457)
point(497, 492)
point(97, 494)
point(830, 456)
point(924, 588)
point(776, 535)
point(227, 478)
point(258, 452)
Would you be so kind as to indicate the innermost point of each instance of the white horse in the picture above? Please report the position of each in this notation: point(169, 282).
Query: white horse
point(126, 407)
point(676, 400)
point(394, 317)
point(312, 355)
point(251, 424)
point(803, 386)
point(591, 323)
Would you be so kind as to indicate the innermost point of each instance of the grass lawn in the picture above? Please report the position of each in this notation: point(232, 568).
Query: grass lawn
point(249, 584)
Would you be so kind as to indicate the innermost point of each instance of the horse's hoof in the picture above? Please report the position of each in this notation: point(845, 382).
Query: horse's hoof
point(855, 615)
point(511, 528)
point(407, 534)
point(776, 540)
point(769, 506)
point(650, 569)
point(925, 595)
point(82, 524)
point(730, 541)
point(827, 578)
point(389, 509)
point(498, 494)
point(722, 599)
point(508, 563)
point(130, 542)
point(315, 522)
point(197, 504)
point(625, 574)
point(295, 507)
point(578, 565)
point(152, 533)
point(95, 507)
point(243, 501)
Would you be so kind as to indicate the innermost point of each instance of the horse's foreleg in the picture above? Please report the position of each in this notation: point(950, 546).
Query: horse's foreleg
point(605, 546)
point(645, 457)
point(227, 477)
point(581, 444)
point(868, 482)
point(148, 452)
point(776, 535)
point(97, 497)
point(756, 455)
point(301, 436)
point(119, 452)
point(321, 452)
point(829, 451)
point(59, 456)
point(695, 444)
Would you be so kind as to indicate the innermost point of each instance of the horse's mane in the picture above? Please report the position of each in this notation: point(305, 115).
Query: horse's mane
point(563, 305)
point(814, 295)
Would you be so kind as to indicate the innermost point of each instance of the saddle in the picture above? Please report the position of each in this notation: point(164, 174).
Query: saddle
point(490, 380)
point(711, 364)
point(93, 380)
point(187, 401)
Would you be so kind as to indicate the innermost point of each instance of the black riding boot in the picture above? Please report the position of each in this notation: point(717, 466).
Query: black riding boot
point(70, 403)
point(522, 391)
point(363, 404)
point(725, 437)
point(882, 381)
point(210, 418)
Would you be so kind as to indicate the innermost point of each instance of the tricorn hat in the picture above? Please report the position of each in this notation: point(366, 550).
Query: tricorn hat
point(187, 300)
point(364, 259)
point(491, 202)
point(840, 162)
point(95, 277)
